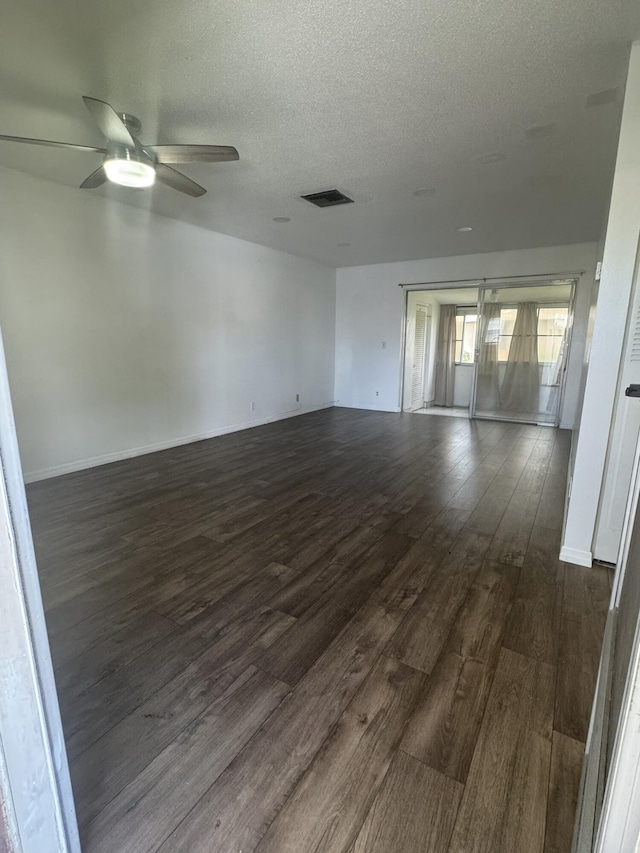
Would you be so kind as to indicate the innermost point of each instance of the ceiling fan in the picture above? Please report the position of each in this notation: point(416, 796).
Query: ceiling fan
point(130, 163)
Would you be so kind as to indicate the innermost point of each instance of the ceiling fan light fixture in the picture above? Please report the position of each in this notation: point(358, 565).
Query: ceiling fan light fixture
point(129, 168)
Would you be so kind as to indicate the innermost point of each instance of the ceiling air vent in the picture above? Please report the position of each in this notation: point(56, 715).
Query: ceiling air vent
point(328, 198)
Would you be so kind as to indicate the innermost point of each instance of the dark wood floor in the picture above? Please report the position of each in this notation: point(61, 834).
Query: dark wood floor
point(344, 632)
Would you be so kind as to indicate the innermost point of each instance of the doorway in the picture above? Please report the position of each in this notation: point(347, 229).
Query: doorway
point(496, 352)
point(421, 353)
point(521, 352)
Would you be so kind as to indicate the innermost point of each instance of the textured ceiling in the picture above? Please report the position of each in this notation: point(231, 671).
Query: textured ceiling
point(377, 97)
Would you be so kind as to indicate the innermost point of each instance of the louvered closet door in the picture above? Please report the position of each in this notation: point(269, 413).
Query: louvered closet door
point(622, 444)
point(419, 351)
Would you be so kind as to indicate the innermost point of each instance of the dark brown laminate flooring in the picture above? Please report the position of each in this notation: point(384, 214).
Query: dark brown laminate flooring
point(346, 632)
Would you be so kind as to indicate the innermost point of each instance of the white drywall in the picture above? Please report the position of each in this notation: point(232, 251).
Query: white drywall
point(618, 264)
point(370, 305)
point(462, 382)
point(126, 331)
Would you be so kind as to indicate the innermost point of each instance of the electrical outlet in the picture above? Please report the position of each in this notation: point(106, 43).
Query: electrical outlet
point(253, 407)
point(384, 344)
point(297, 398)
point(377, 393)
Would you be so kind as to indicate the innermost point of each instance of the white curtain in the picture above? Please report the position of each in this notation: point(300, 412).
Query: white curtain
point(552, 376)
point(520, 390)
point(487, 395)
point(446, 355)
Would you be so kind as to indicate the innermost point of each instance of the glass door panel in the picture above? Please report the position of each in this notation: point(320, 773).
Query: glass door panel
point(521, 352)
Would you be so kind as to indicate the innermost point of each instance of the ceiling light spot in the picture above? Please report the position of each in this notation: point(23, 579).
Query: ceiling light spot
point(423, 192)
point(282, 219)
point(465, 229)
point(494, 157)
point(344, 244)
point(599, 99)
point(540, 131)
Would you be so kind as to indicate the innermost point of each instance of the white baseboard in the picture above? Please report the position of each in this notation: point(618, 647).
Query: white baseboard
point(340, 405)
point(95, 461)
point(576, 556)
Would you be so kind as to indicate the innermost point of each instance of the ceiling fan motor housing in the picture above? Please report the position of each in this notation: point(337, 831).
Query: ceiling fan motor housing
point(131, 167)
point(132, 123)
point(116, 151)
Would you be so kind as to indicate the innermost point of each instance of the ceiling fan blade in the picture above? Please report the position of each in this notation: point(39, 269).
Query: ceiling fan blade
point(52, 144)
point(193, 153)
point(109, 121)
point(95, 179)
point(178, 181)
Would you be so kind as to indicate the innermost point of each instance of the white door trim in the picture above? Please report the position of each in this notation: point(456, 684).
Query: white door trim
point(34, 775)
point(619, 827)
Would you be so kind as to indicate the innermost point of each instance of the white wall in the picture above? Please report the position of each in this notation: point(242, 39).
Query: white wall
point(618, 264)
point(462, 382)
point(126, 331)
point(369, 310)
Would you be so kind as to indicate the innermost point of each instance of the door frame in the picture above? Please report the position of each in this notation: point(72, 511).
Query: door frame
point(616, 459)
point(420, 288)
point(35, 787)
point(619, 824)
point(482, 289)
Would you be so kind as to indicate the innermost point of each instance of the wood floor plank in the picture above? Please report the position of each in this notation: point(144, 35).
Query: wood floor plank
point(535, 473)
point(551, 508)
point(105, 703)
point(487, 515)
point(504, 804)
point(88, 667)
point(420, 638)
point(567, 756)
point(267, 770)
point(444, 727)
point(145, 812)
point(402, 586)
point(467, 553)
point(416, 521)
point(342, 535)
point(534, 624)
point(243, 585)
point(134, 577)
point(292, 655)
point(584, 614)
point(512, 535)
point(307, 587)
point(123, 751)
point(329, 805)
point(222, 577)
point(414, 811)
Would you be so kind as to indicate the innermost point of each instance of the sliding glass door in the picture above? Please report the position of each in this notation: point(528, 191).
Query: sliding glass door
point(521, 351)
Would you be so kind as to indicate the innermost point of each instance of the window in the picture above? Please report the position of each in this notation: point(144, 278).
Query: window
point(552, 324)
point(466, 326)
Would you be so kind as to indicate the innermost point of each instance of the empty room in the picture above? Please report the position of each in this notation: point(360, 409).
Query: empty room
point(320, 427)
